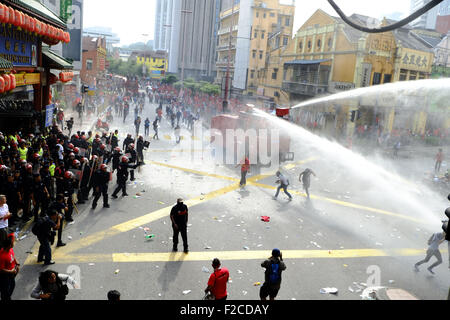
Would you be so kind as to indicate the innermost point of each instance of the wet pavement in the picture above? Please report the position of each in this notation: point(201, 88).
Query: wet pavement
point(345, 234)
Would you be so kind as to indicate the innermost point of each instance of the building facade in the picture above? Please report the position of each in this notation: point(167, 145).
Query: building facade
point(163, 20)
point(94, 59)
point(103, 32)
point(155, 63)
point(193, 34)
point(248, 32)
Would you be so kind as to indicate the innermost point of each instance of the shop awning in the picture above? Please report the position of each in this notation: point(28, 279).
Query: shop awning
point(54, 60)
point(5, 64)
point(305, 62)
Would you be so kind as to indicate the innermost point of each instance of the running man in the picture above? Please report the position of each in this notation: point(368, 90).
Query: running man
point(284, 182)
point(433, 250)
point(305, 178)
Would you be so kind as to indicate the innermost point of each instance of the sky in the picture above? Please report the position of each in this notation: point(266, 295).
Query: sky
point(134, 20)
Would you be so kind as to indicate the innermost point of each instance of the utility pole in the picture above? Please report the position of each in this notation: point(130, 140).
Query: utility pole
point(227, 77)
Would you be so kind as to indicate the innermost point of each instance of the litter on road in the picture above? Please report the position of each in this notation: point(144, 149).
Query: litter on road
point(329, 290)
point(186, 292)
point(117, 271)
point(265, 218)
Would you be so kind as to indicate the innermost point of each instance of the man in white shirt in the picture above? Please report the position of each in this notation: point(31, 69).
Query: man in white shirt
point(4, 216)
point(284, 182)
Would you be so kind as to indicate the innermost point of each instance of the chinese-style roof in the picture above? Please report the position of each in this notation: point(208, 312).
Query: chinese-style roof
point(55, 61)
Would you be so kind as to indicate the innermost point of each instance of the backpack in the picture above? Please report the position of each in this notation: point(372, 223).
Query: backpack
point(274, 275)
point(36, 230)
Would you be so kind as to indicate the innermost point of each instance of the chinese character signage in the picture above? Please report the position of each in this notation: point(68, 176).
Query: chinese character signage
point(416, 60)
point(18, 46)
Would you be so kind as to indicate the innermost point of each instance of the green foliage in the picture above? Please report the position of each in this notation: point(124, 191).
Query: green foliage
point(202, 86)
point(125, 68)
point(169, 79)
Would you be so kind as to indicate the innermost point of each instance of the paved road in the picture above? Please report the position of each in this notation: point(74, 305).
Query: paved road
point(349, 232)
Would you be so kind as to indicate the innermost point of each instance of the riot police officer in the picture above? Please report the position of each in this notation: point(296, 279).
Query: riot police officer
point(122, 176)
point(69, 189)
point(100, 184)
point(133, 159)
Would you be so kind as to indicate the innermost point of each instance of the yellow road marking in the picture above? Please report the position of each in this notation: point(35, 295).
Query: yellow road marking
point(235, 255)
point(202, 173)
point(167, 137)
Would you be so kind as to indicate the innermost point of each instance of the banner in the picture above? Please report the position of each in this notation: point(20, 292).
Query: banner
point(49, 115)
point(72, 50)
point(65, 10)
point(18, 46)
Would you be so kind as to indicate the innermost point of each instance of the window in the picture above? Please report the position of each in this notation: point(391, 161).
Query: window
point(88, 64)
point(260, 54)
point(154, 60)
point(254, 54)
point(255, 35)
point(279, 21)
point(257, 14)
point(422, 75)
point(272, 14)
point(262, 35)
point(330, 42)
point(300, 45)
point(285, 41)
point(274, 73)
point(403, 75)
point(309, 44)
point(412, 75)
point(376, 78)
point(264, 16)
point(319, 43)
point(287, 22)
point(387, 78)
point(252, 74)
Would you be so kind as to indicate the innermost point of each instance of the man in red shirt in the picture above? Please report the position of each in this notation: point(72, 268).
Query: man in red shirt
point(245, 166)
point(217, 283)
point(9, 268)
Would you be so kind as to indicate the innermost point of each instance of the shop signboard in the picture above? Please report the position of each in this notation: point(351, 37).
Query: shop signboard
point(18, 46)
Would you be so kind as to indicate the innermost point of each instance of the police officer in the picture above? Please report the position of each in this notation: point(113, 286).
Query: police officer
point(100, 184)
point(140, 149)
point(69, 189)
point(27, 190)
point(40, 197)
point(115, 139)
point(85, 174)
point(179, 217)
point(133, 159)
point(46, 178)
point(122, 176)
point(116, 158)
point(127, 141)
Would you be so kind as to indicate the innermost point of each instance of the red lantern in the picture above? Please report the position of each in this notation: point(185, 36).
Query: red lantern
point(32, 25)
point(68, 37)
point(2, 13)
point(38, 27)
point(16, 18)
point(2, 85)
point(13, 81)
point(7, 82)
point(26, 20)
point(43, 28)
point(11, 15)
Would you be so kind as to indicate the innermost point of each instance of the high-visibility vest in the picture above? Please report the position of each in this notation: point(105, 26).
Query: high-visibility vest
point(52, 170)
point(23, 153)
point(41, 152)
point(12, 137)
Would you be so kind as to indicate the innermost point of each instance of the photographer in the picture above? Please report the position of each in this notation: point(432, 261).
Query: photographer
point(52, 286)
point(44, 230)
point(61, 208)
point(274, 266)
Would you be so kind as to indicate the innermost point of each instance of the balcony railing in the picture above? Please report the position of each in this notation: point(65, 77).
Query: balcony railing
point(308, 89)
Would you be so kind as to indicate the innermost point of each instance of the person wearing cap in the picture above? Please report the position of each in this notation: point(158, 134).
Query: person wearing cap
point(179, 218)
point(100, 185)
point(127, 141)
point(272, 281)
point(217, 283)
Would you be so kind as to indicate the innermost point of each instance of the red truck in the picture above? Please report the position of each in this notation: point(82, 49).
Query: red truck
point(253, 139)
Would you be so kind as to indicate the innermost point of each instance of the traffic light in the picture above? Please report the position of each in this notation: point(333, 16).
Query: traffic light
point(84, 88)
point(352, 115)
